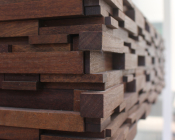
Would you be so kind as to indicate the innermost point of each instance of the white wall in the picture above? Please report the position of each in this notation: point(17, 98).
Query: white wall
point(152, 9)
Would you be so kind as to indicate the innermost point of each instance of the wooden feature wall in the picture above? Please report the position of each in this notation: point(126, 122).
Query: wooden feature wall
point(76, 69)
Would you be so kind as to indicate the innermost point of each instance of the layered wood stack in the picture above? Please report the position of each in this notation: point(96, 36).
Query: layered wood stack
point(76, 70)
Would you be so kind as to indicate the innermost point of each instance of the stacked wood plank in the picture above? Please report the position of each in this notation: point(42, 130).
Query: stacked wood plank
point(76, 70)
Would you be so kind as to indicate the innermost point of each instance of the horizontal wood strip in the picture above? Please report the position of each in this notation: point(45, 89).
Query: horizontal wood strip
point(74, 29)
point(40, 9)
point(85, 78)
point(18, 28)
point(18, 133)
point(42, 119)
point(100, 41)
point(56, 62)
point(21, 77)
point(48, 39)
point(41, 48)
point(19, 85)
point(104, 102)
point(41, 99)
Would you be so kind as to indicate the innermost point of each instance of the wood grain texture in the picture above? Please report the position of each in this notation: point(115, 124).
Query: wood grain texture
point(116, 3)
point(96, 11)
point(104, 102)
point(71, 21)
point(94, 127)
point(118, 15)
point(130, 99)
point(73, 29)
point(18, 28)
point(42, 119)
point(110, 78)
point(121, 133)
point(75, 134)
point(117, 121)
point(137, 115)
point(19, 85)
point(99, 41)
point(5, 48)
point(129, 25)
point(48, 39)
point(111, 22)
point(81, 86)
point(58, 62)
point(113, 78)
point(40, 9)
point(41, 99)
point(21, 77)
point(70, 78)
point(96, 62)
point(124, 61)
point(76, 103)
point(106, 4)
point(16, 133)
point(121, 107)
point(14, 40)
point(121, 33)
point(41, 48)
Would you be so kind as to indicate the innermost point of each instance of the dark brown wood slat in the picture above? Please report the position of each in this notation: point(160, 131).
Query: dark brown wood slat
point(41, 99)
point(42, 48)
point(111, 22)
point(5, 48)
point(42, 119)
point(18, 28)
point(58, 62)
point(74, 134)
point(81, 86)
point(93, 127)
point(14, 40)
point(21, 77)
point(96, 62)
point(124, 61)
point(48, 39)
point(20, 85)
point(137, 115)
point(85, 78)
point(104, 104)
point(40, 9)
point(119, 15)
point(18, 133)
point(100, 41)
point(129, 25)
point(115, 124)
point(73, 29)
point(71, 21)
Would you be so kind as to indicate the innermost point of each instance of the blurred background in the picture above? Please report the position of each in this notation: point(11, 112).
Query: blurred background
point(160, 125)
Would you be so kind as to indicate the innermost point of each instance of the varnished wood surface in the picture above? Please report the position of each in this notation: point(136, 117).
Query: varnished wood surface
point(77, 69)
point(104, 102)
point(19, 28)
point(39, 9)
point(50, 62)
point(41, 119)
